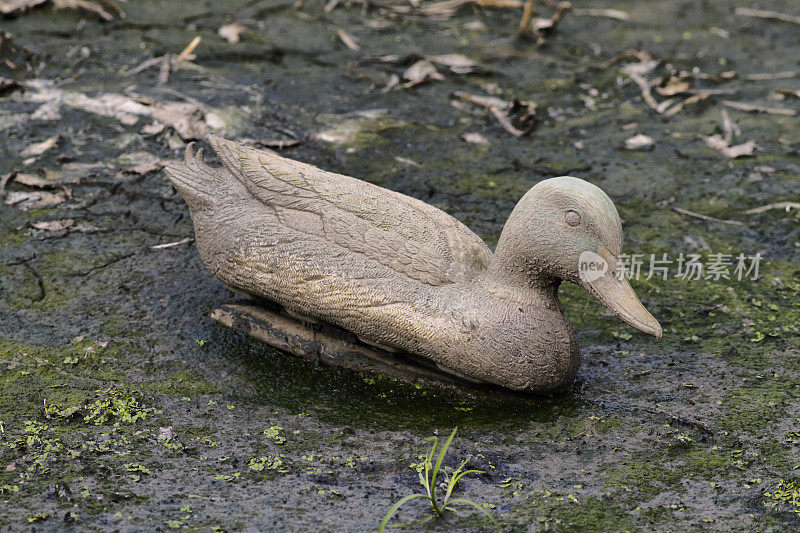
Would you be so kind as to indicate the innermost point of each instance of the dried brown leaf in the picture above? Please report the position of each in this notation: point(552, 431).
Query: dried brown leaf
point(741, 150)
point(639, 142)
point(231, 32)
point(26, 200)
point(93, 8)
point(674, 84)
point(18, 7)
point(420, 72)
point(54, 225)
point(39, 148)
point(783, 93)
point(506, 113)
point(139, 163)
point(458, 63)
point(475, 138)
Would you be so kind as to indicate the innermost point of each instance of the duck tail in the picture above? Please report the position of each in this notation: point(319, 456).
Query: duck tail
point(230, 153)
point(195, 181)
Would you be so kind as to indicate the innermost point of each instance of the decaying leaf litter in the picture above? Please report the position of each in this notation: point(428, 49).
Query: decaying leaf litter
point(392, 113)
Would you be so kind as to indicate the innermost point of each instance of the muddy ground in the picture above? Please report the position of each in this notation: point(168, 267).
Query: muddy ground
point(123, 406)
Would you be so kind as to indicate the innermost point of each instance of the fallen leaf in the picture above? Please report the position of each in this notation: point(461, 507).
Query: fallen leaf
point(231, 32)
point(394, 81)
point(475, 138)
point(39, 148)
point(139, 163)
point(30, 180)
point(35, 199)
point(72, 173)
point(18, 7)
point(348, 40)
point(742, 150)
point(674, 84)
point(475, 25)
point(54, 225)
point(639, 142)
point(420, 72)
point(93, 8)
point(458, 63)
point(543, 26)
point(780, 94)
point(406, 161)
point(523, 113)
point(719, 32)
point(190, 120)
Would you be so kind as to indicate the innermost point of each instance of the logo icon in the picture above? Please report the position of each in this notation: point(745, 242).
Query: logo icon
point(591, 266)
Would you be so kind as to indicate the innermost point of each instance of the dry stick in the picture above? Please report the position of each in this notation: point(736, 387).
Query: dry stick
point(171, 244)
point(587, 430)
point(608, 13)
point(778, 205)
point(525, 21)
point(706, 217)
point(348, 40)
point(761, 76)
point(647, 95)
point(763, 14)
point(756, 108)
point(499, 114)
point(728, 127)
point(188, 50)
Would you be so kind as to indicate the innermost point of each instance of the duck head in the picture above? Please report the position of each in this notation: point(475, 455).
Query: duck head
point(568, 229)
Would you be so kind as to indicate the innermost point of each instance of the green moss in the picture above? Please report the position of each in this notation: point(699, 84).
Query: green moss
point(705, 464)
point(557, 511)
point(647, 477)
point(183, 383)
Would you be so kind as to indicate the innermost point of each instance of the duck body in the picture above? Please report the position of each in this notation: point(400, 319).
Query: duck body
point(395, 271)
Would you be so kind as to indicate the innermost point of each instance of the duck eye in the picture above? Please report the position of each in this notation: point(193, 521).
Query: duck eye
point(573, 218)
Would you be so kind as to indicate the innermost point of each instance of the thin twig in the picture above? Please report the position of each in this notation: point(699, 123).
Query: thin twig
point(706, 217)
point(764, 14)
point(778, 205)
point(525, 21)
point(587, 430)
point(171, 244)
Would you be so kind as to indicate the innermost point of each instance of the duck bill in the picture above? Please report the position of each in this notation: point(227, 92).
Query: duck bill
point(616, 293)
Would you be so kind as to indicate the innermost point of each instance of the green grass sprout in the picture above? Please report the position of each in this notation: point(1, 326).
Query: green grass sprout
point(427, 477)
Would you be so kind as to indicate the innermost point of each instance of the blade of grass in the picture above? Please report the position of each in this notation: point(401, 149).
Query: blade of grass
point(454, 480)
point(478, 507)
point(418, 522)
point(397, 506)
point(439, 460)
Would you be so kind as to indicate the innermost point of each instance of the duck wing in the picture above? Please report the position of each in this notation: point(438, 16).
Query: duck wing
point(402, 233)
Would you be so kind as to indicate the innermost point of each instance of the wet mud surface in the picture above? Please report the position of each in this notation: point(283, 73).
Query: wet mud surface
point(123, 406)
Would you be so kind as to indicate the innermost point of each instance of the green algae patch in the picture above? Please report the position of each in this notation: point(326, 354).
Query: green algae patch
point(647, 477)
point(182, 384)
point(560, 511)
point(785, 495)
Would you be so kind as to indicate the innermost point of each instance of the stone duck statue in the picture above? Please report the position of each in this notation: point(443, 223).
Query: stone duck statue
point(405, 276)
